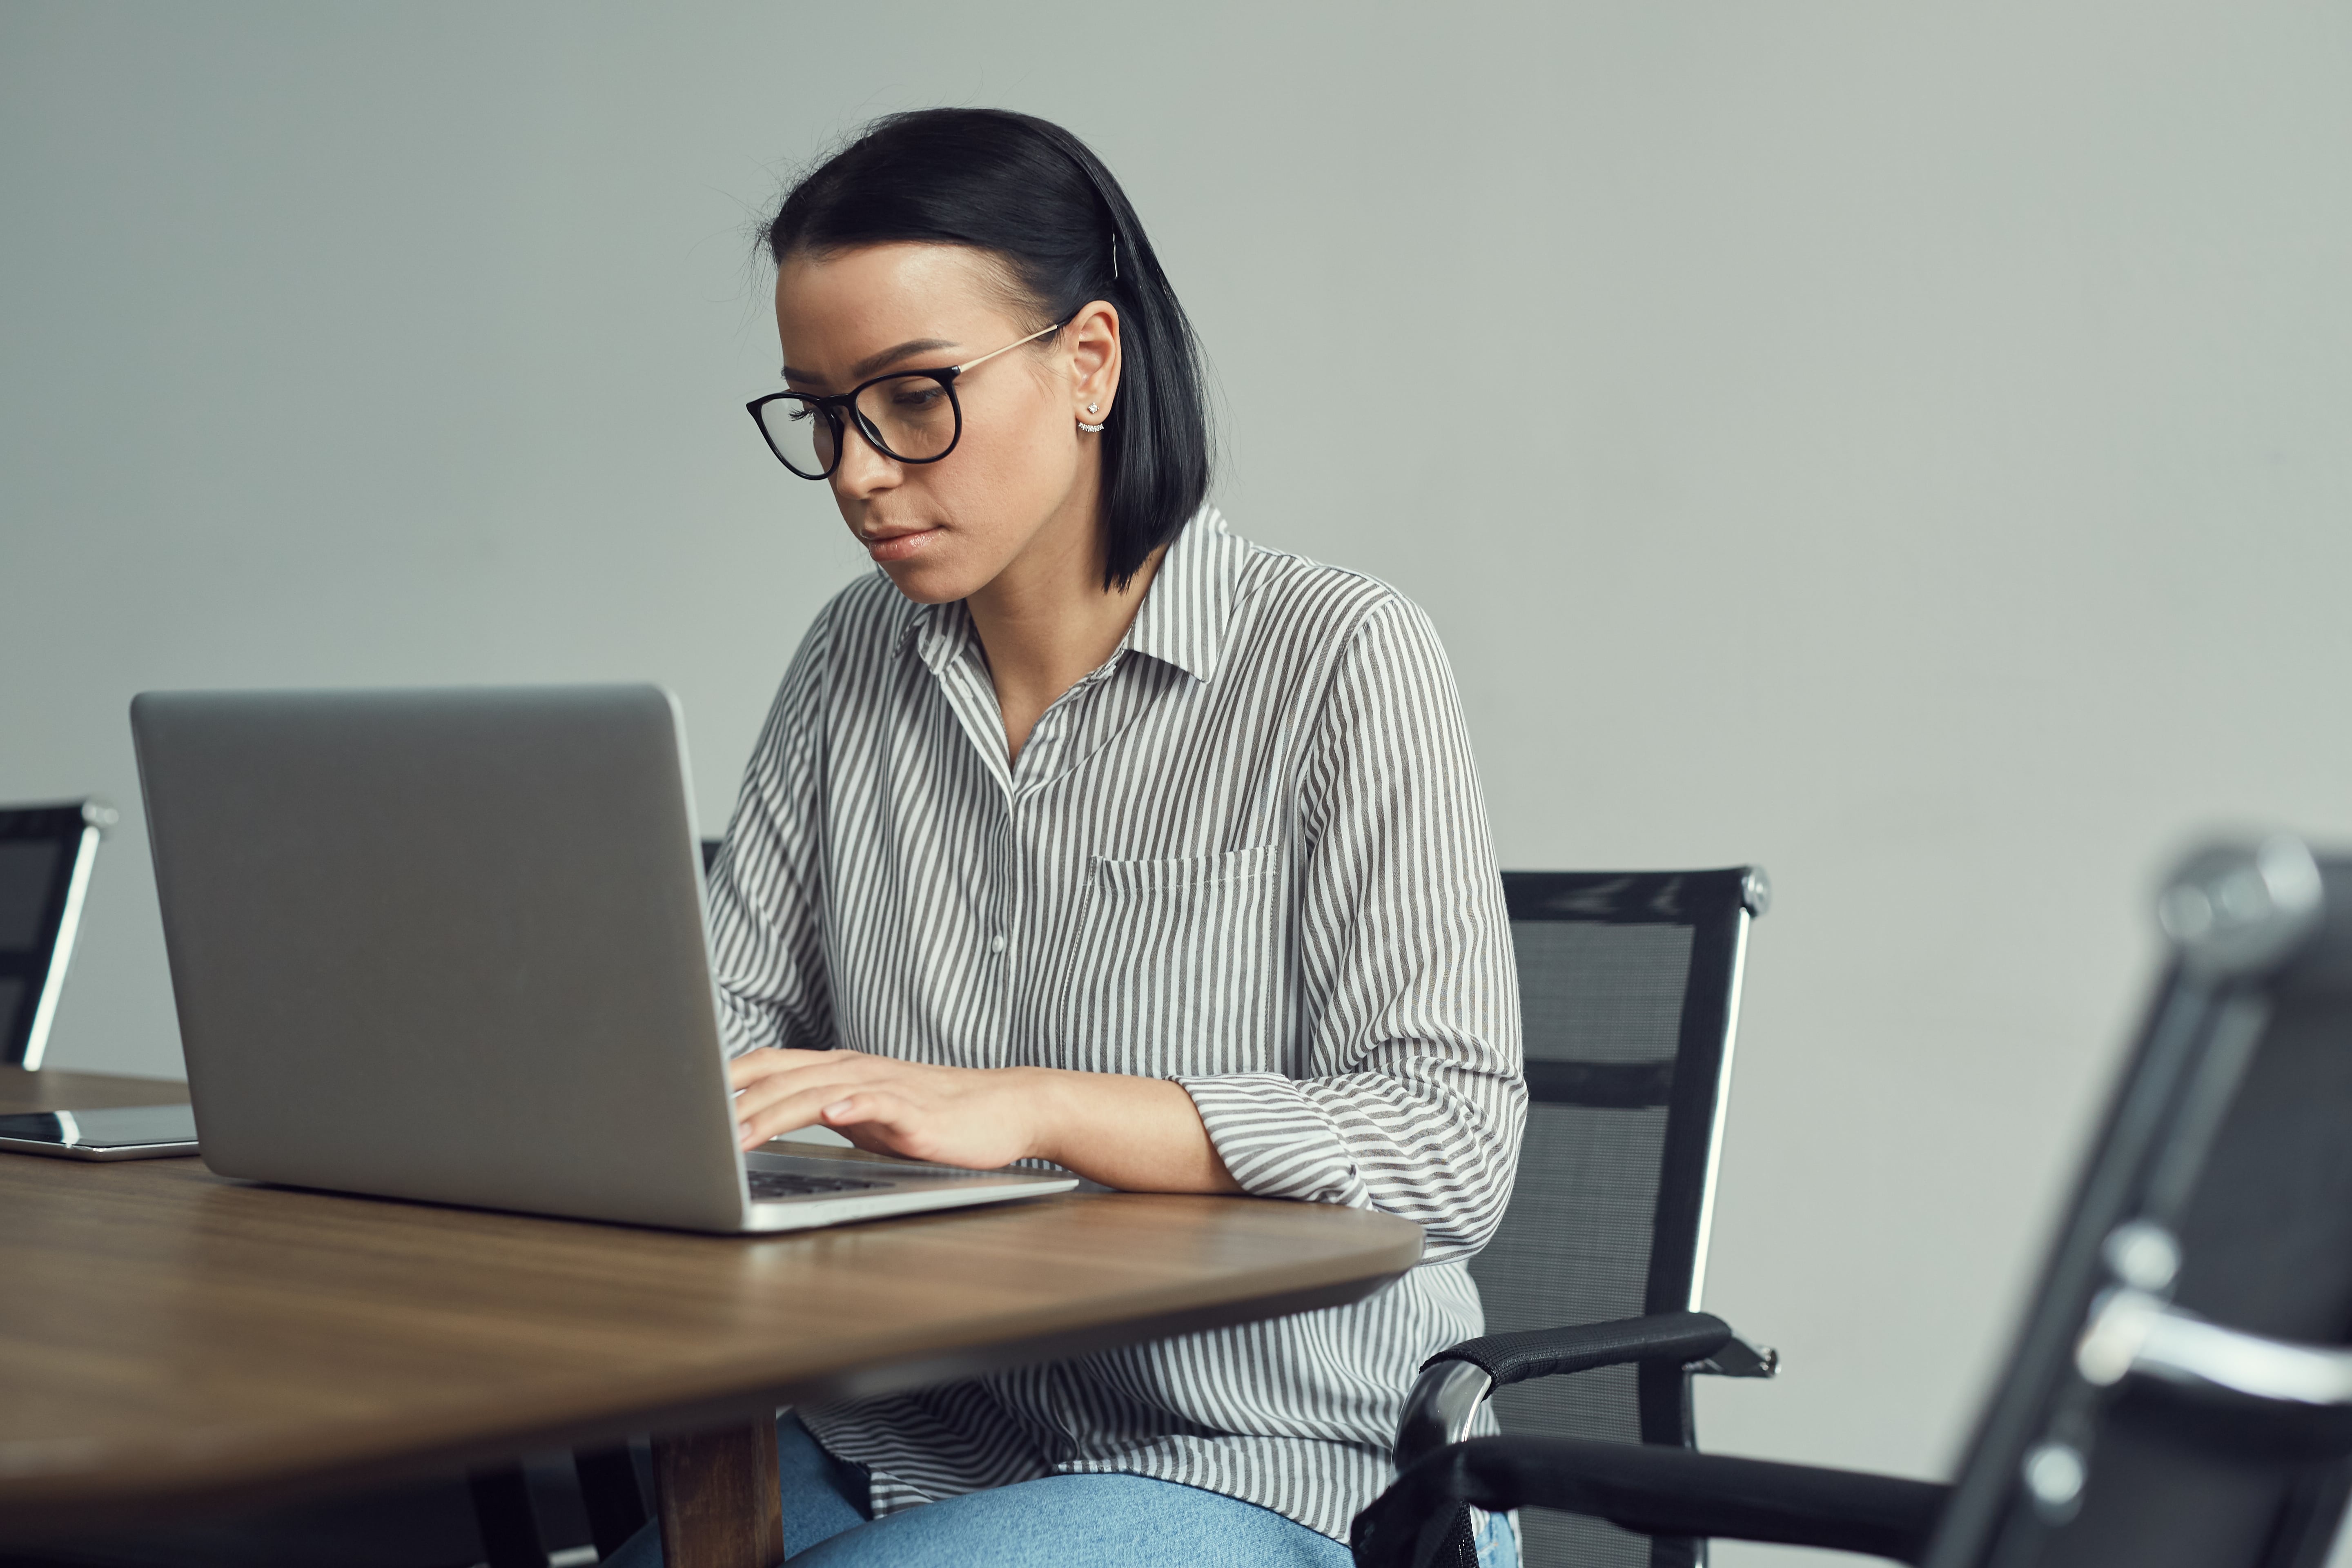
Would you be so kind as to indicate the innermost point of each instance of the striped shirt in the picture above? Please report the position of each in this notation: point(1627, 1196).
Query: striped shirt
point(1247, 854)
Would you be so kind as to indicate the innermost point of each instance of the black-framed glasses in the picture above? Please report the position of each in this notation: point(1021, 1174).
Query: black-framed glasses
point(909, 415)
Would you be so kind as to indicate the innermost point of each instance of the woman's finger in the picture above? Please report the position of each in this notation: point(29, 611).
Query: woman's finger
point(782, 1113)
point(752, 1066)
point(846, 1068)
point(798, 1099)
point(766, 1062)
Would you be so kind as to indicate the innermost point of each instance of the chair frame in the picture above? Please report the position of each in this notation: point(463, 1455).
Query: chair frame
point(1672, 1339)
point(1719, 906)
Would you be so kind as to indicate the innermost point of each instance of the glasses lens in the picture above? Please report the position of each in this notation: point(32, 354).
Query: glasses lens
point(801, 433)
point(912, 417)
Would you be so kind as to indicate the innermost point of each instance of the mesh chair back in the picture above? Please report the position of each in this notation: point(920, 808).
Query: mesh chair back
point(1629, 991)
point(2228, 1151)
point(45, 855)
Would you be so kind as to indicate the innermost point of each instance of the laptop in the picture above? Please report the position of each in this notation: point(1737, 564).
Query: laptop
point(115, 1133)
point(47, 853)
point(448, 946)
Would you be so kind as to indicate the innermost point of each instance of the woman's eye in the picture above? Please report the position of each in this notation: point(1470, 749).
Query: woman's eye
point(916, 397)
point(801, 414)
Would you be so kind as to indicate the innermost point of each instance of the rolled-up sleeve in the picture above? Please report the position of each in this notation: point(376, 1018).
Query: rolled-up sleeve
point(1415, 1102)
point(765, 893)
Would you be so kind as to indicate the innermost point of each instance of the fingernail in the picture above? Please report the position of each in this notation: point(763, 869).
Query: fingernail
point(838, 1108)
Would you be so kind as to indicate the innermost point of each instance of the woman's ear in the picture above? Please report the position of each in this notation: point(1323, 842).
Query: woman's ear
point(1093, 338)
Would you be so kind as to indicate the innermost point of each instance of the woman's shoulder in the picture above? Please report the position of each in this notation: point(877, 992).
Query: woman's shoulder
point(1316, 604)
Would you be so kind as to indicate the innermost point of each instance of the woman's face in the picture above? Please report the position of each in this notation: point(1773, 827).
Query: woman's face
point(1022, 480)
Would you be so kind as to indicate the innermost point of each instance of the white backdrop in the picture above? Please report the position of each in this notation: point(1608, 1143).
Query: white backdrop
point(1902, 446)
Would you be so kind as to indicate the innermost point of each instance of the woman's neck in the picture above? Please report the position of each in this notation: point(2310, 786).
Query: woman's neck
point(1047, 621)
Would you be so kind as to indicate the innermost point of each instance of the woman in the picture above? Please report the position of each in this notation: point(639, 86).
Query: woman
point(1087, 832)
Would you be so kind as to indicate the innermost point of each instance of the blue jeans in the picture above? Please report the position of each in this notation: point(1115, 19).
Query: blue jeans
point(1060, 1521)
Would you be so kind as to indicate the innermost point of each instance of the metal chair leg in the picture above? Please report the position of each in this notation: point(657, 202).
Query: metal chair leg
point(508, 1524)
point(609, 1490)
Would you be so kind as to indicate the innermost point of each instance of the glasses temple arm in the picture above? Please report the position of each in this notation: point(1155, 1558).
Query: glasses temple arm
point(1008, 348)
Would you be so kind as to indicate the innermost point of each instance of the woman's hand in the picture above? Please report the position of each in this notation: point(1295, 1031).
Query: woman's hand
point(950, 1116)
point(1140, 1133)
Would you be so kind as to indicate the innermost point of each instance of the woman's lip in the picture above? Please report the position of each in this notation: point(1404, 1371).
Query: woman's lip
point(898, 546)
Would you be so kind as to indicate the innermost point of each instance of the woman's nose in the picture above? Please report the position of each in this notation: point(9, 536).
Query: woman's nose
point(863, 470)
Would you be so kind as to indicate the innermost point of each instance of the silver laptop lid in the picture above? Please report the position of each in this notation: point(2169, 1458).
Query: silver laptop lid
point(444, 944)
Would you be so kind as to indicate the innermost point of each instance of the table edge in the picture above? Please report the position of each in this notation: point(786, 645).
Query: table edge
point(43, 1504)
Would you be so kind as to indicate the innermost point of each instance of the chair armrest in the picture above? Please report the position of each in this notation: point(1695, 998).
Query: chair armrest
point(1454, 1383)
point(1739, 1358)
point(1679, 1337)
point(1650, 1489)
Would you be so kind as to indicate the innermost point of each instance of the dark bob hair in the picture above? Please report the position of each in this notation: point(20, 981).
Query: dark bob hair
point(1029, 192)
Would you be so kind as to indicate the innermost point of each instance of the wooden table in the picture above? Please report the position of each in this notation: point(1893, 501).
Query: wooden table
point(170, 1338)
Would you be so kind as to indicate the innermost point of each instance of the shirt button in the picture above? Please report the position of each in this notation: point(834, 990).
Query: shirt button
point(996, 943)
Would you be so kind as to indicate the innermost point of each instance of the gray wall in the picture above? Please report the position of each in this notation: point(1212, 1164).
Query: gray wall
point(1900, 445)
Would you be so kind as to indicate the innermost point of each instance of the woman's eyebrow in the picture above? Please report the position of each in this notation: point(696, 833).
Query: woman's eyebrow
point(873, 363)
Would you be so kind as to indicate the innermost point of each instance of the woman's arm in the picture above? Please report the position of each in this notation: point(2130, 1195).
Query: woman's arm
point(1413, 1102)
point(766, 953)
point(1141, 1134)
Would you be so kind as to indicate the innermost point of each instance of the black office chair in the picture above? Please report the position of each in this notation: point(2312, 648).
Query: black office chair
point(2181, 1394)
point(47, 853)
point(1628, 990)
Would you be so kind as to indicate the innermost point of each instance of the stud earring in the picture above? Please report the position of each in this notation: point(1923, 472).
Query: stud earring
point(1091, 429)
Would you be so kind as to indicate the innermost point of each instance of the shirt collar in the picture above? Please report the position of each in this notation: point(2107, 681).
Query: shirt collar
point(1185, 615)
point(939, 631)
point(1182, 622)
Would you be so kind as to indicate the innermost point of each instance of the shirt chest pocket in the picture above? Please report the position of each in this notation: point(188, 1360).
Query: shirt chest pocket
point(1179, 966)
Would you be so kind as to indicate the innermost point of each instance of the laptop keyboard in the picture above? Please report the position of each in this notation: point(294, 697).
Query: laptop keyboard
point(789, 1184)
